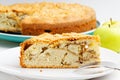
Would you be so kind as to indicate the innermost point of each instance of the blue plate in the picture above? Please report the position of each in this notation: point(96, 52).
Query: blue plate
point(14, 37)
point(20, 38)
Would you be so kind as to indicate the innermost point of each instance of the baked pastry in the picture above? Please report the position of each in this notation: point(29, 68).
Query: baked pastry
point(37, 18)
point(67, 50)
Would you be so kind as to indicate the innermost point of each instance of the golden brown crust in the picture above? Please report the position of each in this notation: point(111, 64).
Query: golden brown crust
point(60, 18)
point(77, 26)
point(49, 38)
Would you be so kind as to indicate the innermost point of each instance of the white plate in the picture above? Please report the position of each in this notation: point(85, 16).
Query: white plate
point(9, 63)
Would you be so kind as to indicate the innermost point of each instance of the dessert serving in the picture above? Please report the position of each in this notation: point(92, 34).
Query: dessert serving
point(67, 50)
point(37, 18)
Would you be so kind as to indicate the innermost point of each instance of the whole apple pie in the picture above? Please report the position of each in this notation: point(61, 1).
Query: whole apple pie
point(37, 18)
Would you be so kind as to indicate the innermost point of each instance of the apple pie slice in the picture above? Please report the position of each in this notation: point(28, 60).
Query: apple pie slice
point(67, 50)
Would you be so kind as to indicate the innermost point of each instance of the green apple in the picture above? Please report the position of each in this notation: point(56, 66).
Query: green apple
point(109, 34)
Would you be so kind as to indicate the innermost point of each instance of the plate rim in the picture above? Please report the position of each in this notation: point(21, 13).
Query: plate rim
point(3, 69)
